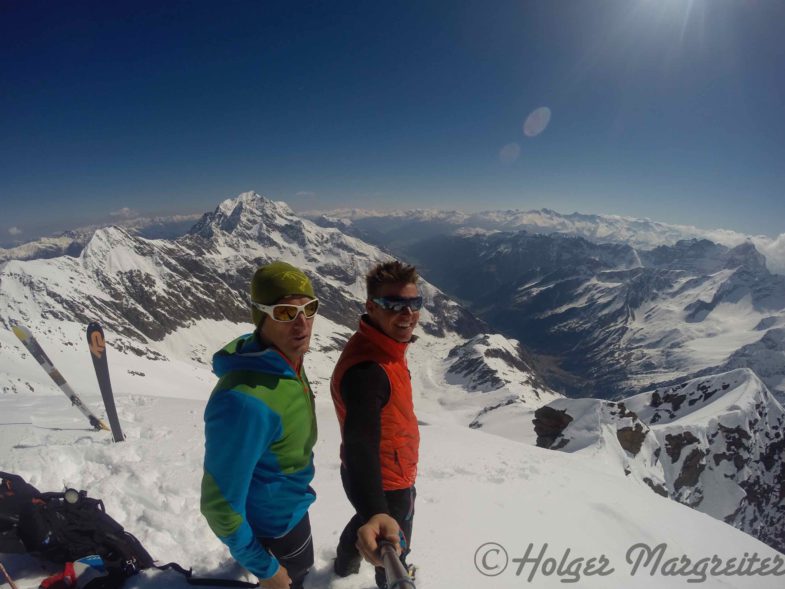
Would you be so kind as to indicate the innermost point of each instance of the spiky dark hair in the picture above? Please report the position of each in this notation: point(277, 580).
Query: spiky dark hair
point(389, 273)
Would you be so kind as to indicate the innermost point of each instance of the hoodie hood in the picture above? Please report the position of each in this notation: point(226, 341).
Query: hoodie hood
point(247, 354)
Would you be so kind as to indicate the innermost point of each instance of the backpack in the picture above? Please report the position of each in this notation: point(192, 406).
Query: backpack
point(15, 494)
point(70, 526)
point(65, 527)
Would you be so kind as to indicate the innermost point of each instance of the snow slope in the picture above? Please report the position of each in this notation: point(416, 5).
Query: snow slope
point(473, 487)
point(714, 443)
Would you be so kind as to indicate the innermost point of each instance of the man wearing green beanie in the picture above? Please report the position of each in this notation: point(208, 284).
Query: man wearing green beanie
point(260, 429)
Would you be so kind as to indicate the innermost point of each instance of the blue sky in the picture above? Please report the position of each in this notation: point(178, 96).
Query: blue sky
point(668, 109)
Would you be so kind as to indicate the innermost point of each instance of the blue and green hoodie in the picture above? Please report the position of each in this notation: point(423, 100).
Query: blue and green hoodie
point(260, 429)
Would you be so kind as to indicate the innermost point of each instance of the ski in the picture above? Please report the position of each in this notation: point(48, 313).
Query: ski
point(37, 352)
point(97, 343)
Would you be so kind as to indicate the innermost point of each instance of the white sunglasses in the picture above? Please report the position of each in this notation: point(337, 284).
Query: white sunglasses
point(285, 312)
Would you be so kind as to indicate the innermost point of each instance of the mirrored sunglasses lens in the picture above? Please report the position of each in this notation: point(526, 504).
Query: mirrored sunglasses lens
point(311, 308)
point(284, 312)
point(385, 304)
point(398, 305)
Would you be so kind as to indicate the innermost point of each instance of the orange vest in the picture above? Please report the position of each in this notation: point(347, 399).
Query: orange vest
point(400, 436)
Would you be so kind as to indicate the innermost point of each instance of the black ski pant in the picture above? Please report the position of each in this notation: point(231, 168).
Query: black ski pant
point(294, 551)
point(400, 504)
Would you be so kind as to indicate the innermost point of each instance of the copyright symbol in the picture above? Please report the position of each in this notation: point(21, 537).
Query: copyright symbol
point(491, 559)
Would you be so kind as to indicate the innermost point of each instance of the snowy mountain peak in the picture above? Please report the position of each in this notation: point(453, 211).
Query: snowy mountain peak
point(489, 361)
point(706, 256)
point(151, 289)
point(252, 200)
point(746, 255)
point(247, 214)
point(113, 249)
point(107, 237)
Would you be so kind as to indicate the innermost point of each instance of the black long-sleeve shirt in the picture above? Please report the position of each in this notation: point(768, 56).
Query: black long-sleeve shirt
point(365, 389)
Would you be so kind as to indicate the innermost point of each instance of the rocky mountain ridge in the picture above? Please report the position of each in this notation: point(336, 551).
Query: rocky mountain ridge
point(71, 243)
point(716, 444)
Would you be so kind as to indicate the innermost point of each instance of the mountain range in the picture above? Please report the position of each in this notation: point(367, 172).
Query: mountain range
point(148, 292)
point(596, 319)
point(602, 319)
point(398, 228)
point(70, 243)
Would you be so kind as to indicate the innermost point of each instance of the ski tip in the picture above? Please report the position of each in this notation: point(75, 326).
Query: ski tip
point(19, 331)
point(95, 338)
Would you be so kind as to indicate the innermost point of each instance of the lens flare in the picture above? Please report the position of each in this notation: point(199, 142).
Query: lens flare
point(509, 153)
point(537, 121)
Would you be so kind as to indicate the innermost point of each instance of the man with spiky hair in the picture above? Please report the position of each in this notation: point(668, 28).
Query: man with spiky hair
point(260, 430)
point(372, 393)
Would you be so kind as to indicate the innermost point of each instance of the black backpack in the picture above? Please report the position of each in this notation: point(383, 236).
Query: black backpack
point(64, 527)
point(15, 496)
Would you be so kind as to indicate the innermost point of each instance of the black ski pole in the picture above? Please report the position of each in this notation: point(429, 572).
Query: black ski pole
point(397, 575)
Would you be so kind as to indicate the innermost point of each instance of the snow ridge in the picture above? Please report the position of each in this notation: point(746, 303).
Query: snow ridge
point(715, 444)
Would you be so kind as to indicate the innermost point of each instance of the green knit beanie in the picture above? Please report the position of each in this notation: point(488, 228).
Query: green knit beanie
point(274, 281)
